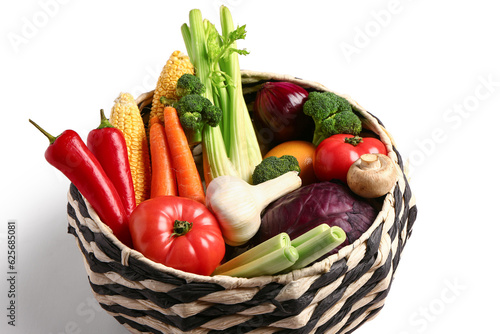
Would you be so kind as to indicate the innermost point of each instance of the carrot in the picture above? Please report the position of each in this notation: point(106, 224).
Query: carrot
point(188, 179)
point(163, 182)
point(154, 119)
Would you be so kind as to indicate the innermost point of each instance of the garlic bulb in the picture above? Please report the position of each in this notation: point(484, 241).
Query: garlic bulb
point(237, 205)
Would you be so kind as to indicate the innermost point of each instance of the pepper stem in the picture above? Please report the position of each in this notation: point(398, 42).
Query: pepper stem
point(51, 138)
point(181, 227)
point(354, 141)
point(104, 121)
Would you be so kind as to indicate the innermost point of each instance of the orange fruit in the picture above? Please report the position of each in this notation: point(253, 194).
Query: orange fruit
point(303, 151)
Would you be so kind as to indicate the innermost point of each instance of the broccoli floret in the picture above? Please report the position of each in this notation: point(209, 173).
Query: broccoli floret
point(272, 167)
point(196, 111)
point(189, 84)
point(212, 115)
point(190, 120)
point(332, 114)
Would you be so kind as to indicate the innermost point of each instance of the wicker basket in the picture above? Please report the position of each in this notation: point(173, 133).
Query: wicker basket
point(336, 295)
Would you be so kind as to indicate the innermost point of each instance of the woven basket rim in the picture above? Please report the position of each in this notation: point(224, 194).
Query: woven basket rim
point(316, 269)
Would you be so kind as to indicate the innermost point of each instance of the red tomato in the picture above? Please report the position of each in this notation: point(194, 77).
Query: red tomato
point(335, 155)
point(179, 232)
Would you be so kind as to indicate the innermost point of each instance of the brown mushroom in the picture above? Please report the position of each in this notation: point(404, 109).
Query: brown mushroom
point(372, 175)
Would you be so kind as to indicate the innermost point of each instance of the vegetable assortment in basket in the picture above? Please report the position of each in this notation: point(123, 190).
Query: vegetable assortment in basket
point(201, 227)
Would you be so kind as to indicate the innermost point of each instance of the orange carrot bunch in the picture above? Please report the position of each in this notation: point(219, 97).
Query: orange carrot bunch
point(163, 181)
point(174, 170)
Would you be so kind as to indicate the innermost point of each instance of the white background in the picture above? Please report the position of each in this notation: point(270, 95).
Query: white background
point(428, 69)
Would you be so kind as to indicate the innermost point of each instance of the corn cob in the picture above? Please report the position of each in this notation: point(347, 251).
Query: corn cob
point(125, 115)
point(177, 65)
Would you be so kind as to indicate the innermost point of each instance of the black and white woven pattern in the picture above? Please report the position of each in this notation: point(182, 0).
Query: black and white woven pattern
point(336, 295)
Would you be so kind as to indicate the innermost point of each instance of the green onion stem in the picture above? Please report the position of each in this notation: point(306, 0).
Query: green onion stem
point(277, 242)
point(316, 247)
point(269, 264)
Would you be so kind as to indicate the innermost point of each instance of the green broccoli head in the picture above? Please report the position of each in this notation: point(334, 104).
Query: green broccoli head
point(191, 103)
point(320, 105)
point(196, 111)
point(212, 115)
point(341, 122)
point(189, 84)
point(272, 167)
point(332, 114)
point(191, 120)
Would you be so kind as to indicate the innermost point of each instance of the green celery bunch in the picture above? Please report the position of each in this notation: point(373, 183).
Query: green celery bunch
point(239, 134)
point(280, 254)
point(232, 147)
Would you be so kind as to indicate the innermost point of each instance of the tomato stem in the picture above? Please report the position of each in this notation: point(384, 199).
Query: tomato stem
point(354, 141)
point(181, 227)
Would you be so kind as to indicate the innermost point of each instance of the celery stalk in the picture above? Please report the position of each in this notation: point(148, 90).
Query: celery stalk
point(269, 264)
point(195, 40)
point(214, 45)
point(277, 242)
point(186, 36)
point(232, 147)
point(309, 234)
point(199, 53)
point(243, 149)
point(319, 245)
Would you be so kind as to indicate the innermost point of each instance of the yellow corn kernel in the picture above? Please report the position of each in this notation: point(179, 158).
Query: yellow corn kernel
point(125, 115)
point(177, 65)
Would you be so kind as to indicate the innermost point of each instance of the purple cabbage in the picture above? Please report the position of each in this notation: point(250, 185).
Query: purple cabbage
point(309, 206)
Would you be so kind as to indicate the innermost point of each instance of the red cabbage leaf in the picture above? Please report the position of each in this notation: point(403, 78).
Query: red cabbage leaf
point(309, 206)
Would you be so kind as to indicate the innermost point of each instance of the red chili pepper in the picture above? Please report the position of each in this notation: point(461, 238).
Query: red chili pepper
point(69, 154)
point(108, 145)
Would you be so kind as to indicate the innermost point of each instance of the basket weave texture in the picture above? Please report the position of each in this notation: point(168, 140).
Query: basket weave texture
point(335, 295)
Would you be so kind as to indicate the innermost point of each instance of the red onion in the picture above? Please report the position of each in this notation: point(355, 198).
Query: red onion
point(278, 111)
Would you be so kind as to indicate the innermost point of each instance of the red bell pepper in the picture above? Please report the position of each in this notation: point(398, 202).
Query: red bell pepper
point(69, 154)
point(108, 145)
